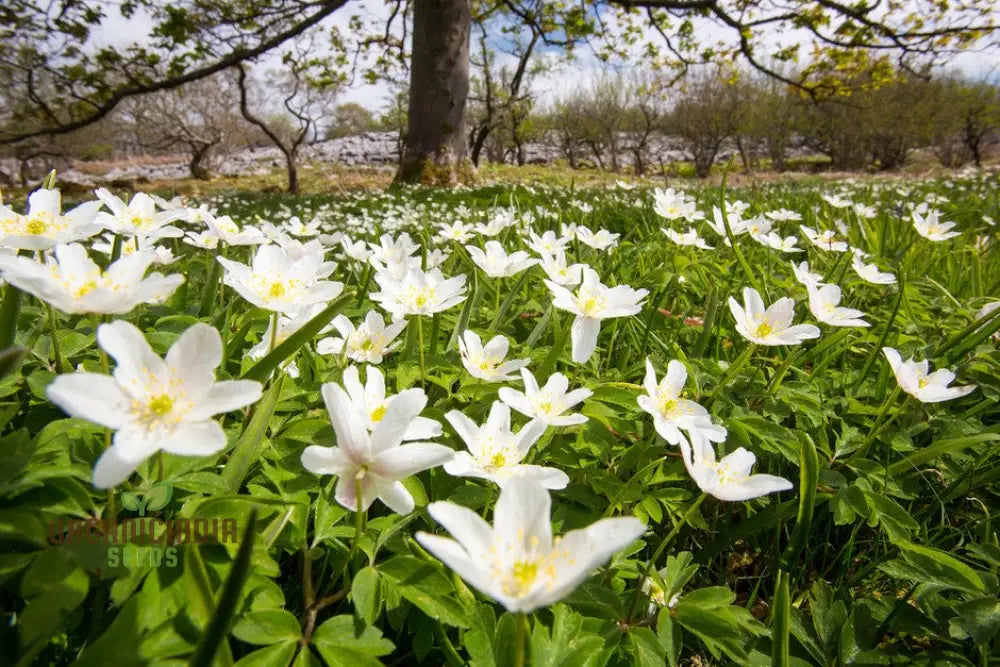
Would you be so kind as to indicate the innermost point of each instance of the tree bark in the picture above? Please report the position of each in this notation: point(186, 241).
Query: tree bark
point(436, 151)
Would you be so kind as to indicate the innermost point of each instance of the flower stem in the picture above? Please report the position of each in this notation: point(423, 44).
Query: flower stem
point(359, 525)
point(879, 424)
point(659, 551)
point(520, 643)
point(420, 344)
point(734, 368)
point(274, 332)
point(54, 330)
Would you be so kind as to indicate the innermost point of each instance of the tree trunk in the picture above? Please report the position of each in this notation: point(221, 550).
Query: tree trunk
point(478, 141)
point(293, 172)
point(197, 164)
point(436, 151)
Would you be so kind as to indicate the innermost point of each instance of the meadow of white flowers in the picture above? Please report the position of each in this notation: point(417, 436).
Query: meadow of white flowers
point(505, 425)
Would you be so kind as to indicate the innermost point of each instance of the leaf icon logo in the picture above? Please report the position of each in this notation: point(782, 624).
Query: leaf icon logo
point(155, 499)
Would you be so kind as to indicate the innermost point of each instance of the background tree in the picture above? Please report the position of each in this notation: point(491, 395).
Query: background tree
point(704, 116)
point(351, 119)
point(305, 92)
point(199, 117)
point(49, 54)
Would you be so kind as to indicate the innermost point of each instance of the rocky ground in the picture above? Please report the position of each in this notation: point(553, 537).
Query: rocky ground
point(371, 149)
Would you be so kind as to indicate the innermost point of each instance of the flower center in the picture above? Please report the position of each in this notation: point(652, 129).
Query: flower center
point(36, 226)
point(764, 329)
point(366, 344)
point(522, 576)
point(161, 405)
point(667, 406)
point(922, 382)
point(277, 290)
point(85, 288)
point(497, 461)
point(378, 413)
point(545, 406)
point(727, 475)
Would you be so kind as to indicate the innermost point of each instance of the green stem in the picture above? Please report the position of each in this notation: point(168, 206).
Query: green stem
point(8, 315)
point(520, 643)
point(659, 551)
point(274, 332)
point(54, 330)
point(734, 368)
point(420, 344)
point(359, 526)
point(879, 424)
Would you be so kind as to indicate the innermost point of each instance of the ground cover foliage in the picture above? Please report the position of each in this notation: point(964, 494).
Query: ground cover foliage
point(883, 550)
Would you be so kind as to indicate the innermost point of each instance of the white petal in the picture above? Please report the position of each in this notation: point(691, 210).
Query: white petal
point(111, 470)
point(199, 438)
point(584, 336)
point(91, 396)
point(405, 460)
point(325, 460)
point(226, 396)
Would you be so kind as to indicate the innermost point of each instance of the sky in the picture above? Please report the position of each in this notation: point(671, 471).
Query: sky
point(556, 83)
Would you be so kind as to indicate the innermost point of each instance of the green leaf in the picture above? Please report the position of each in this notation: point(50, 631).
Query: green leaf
point(268, 626)
point(246, 450)
point(342, 645)
point(365, 595)
point(977, 619)
point(808, 478)
point(10, 359)
point(217, 629)
point(932, 566)
point(781, 623)
point(426, 587)
point(263, 368)
point(279, 655)
point(646, 648)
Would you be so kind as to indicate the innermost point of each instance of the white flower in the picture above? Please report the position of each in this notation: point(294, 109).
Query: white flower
point(718, 225)
point(600, 240)
point(44, 225)
point(836, 201)
point(392, 252)
point(671, 413)
point(499, 221)
point(418, 292)
point(930, 228)
point(592, 303)
point(495, 452)
point(205, 240)
point(376, 461)
point(775, 241)
point(371, 402)
point(568, 230)
point(673, 204)
point(558, 272)
point(371, 341)
point(783, 215)
point(730, 478)
point(487, 362)
point(772, 326)
point(73, 283)
point(161, 255)
point(154, 404)
point(823, 303)
point(137, 218)
point(548, 243)
point(515, 561)
point(548, 404)
point(863, 211)
point(805, 276)
point(296, 227)
point(458, 231)
point(280, 283)
point(757, 227)
point(913, 378)
point(690, 237)
point(496, 263)
point(870, 272)
point(825, 240)
point(356, 250)
point(230, 233)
